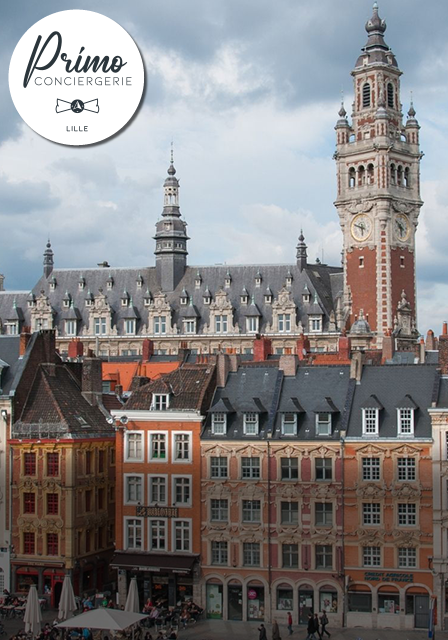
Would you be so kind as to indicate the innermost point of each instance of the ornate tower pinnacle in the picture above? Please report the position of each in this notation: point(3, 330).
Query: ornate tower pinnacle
point(171, 235)
point(301, 252)
point(48, 259)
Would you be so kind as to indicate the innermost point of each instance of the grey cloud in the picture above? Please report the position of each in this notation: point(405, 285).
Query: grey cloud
point(24, 197)
point(99, 170)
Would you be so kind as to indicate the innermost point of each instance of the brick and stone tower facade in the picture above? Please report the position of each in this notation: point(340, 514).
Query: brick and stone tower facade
point(378, 193)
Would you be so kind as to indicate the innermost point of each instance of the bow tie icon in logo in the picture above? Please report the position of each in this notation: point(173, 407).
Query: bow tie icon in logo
point(77, 106)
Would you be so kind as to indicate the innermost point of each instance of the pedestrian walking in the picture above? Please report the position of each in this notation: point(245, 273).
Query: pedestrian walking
point(317, 625)
point(275, 631)
point(262, 632)
point(324, 622)
point(310, 628)
point(289, 622)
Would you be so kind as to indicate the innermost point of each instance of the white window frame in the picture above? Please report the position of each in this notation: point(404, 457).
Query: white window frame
point(130, 458)
point(138, 522)
point(289, 427)
point(315, 324)
point(251, 511)
point(70, 327)
point(406, 559)
point(160, 402)
point(290, 468)
point(371, 556)
point(292, 513)
point(221, 323)
point(251, 467)
point(127, 477)
point(152, 477)
point(369, 469)
point(219, 513)
point(405, 422)
point(174, 482)
point(175, 522)
point(219, 423)
point(218, 466)
point(220, 558)
point(159, 325)
point(326, 515)
point(406, 469)
point(407, 514)
point(151, 439)
point(129, 326)
point(371, 514)
point(252, 324)
point(370, 421)
point(320, 424)
point(162, 526)
point(99, 325)
point(251, 423)
point(190, 326)
point(284, 322)
point(174, 448)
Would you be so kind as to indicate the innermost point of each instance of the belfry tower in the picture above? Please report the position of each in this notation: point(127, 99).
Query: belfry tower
point(378, 188)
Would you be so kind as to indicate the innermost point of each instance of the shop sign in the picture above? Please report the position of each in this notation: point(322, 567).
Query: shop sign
point(157, 512)
point(388, 576)
point(251, 594)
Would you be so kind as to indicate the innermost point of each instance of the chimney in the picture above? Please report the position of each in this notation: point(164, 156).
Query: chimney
point(92, 380)
point(118, 390)
point(356, 366)
point(262, 348)
point(222, 369)
point(234, 362)
point(422, 351)
point(303, 347)
point(25, 337)
point(443, 350)
point(344, 348)
point(75, 349)
point(430, 341)
point(47, 342)
point(287, 364)
point(388, 346)
point(147, 350)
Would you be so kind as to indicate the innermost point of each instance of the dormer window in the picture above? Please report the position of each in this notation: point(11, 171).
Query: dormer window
point(89, 302)
point(370, 422)
point(268, 298)
point(139, 281)
point(70, 327)
point(207, 299)
point(251, 423)
point(160, 402)
point(81, 284)
point(184, 298)
point(244, 298)
point(306, 296)
point(66, 302)
point(110, 283)
point(315, 324)
point(288, 280)
point(221, 324)
point(289, 424)
point(258, 280)
point(31, 304)
point(53, 284)
point(160, 325)
point(12, 328)
point(252, 324)
point(323, 424)
point(198, 281)
point(284, 322)
point(189, 326)
point(124, 299)
point(147, 298)
point(405, 418)
point(219, 424)
point(129, 327)
point(227, 280)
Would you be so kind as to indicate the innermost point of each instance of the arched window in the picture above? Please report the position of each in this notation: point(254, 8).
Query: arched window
point(366, 95)
point(351, 177)
point(361, 176)
point(407, 181)
point(400, 176)
point(390, 95)
point(393, 174)
point(370, 174)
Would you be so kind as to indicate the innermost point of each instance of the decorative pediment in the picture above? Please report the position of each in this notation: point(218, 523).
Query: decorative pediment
point(406, 450)
point(360, 206)
point(324, 452)
point(284, 302)
point(370, 537)
point(402, 207)
point(250, 536)
point(370, 490)
point(288, 451)
point(323, 491)
point(100, 302)
point(249, 450)
point(215, 450)
point(251, 492)
point(221, 302)
point(405, 490)
point(406, 538)
point(293, 490)
point(218, 491)
point(371, 449)
point(160, 303)
point(42, 304)
point(289, 535)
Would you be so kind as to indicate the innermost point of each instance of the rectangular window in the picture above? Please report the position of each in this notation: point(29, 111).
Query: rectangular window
point(251, 511)
point(284, 322)
point(158, 446)
point(220, 324)
point(289, 468)
point(134, 531)
point(251, 423)
point(289, 424)
point(157, 490)
point(219, 510)
point(29, 542)
point(371, 513)
point(250, 468)
point(181, 446)
point(405, 421)
point(130, 327)
point(89, 500)
point(323, 424)
point(219, 552)
point(159, 325)
point(315, 324)
point(289, 512)
point(88, 462)
point(407, 515)
point(29, 503)
point(100, 326)
point(323, 514)
point(100, 499)
point(290, 556)
point(52, 504)
point(52, 544)
point(252, 324)
point(134, 488)
point(70, 327)
point(371, 557)
point(182, 535)
point(160, 402)
point(251, 554)
point(407, 558)
point(101, 456)
point(218, 467)
point(370, 422)
point(88, 540)
point(370, 468)
point(157, 535)
point(324, 556)
point(182, 491)
point(406, 468)
point(29, 464)
point(134, 446)
point(323, 468)
point(189, 326)
point(219, 421)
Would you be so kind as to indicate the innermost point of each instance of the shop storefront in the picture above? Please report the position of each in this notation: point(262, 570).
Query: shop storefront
point(255, 601)
point(235, 600)
point(214, 594)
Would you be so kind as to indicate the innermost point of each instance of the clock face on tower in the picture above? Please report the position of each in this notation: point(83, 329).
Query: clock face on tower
point(402, 227)
point(361, 227)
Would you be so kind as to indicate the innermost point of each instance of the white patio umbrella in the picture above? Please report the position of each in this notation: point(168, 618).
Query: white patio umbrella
point(67, 603)
point(33, 616)
point(112, 619)
point(132, 601)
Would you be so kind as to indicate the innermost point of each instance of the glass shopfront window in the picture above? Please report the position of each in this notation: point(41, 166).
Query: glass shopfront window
point(328, 600)
point(214, 601)
point(388, 603)
point(255, 603)
point(284, 598)
point(360, 601)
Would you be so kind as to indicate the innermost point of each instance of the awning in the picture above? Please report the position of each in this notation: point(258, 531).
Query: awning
point(153, 562)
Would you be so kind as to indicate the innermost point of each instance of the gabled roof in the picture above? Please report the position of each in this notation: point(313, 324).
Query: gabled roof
point(372, 402)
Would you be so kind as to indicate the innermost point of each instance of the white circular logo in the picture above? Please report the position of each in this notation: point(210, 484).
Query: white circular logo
point(76, 77)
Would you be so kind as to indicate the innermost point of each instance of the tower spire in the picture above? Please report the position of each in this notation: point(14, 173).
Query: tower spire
point(301, 252)
point(48, 259)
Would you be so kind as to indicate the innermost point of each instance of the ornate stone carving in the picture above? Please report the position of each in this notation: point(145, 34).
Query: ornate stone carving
point(221, 306)
point(402, 207)
point(370, 491)
point(360, 206)
point(406, 491)
point(160, 308)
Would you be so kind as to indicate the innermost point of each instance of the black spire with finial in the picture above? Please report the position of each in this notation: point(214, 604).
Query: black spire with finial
point(48, 259)
point(375, 47)
point(302, 255)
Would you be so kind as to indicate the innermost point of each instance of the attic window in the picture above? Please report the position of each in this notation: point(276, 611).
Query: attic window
point(258, 280)
point(370, 422)
point(184, 300)
point(31, 304)
point(197, 282)
point(207, 299)
point(288, 280)
point(251, 423)
point(268, 298)
point(81, 284)
point(53, 285)
point(88, 302)
point(139, 282)
point(244, 299)
point(405, 418)
point(82, 422)
point(289, 424)
point(315, 324)
point(227, 282)
point(323, 424)
point(66, 302)
point(124, 302)
point(306, 296)
point(110, 284)
point(219, 424)
point(160, 401)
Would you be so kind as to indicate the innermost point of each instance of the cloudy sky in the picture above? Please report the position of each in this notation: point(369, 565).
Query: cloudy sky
point(249, 91)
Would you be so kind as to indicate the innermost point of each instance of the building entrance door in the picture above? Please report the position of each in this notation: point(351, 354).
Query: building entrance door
point(306, 605)
point(235, 602)
point(421, 609)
